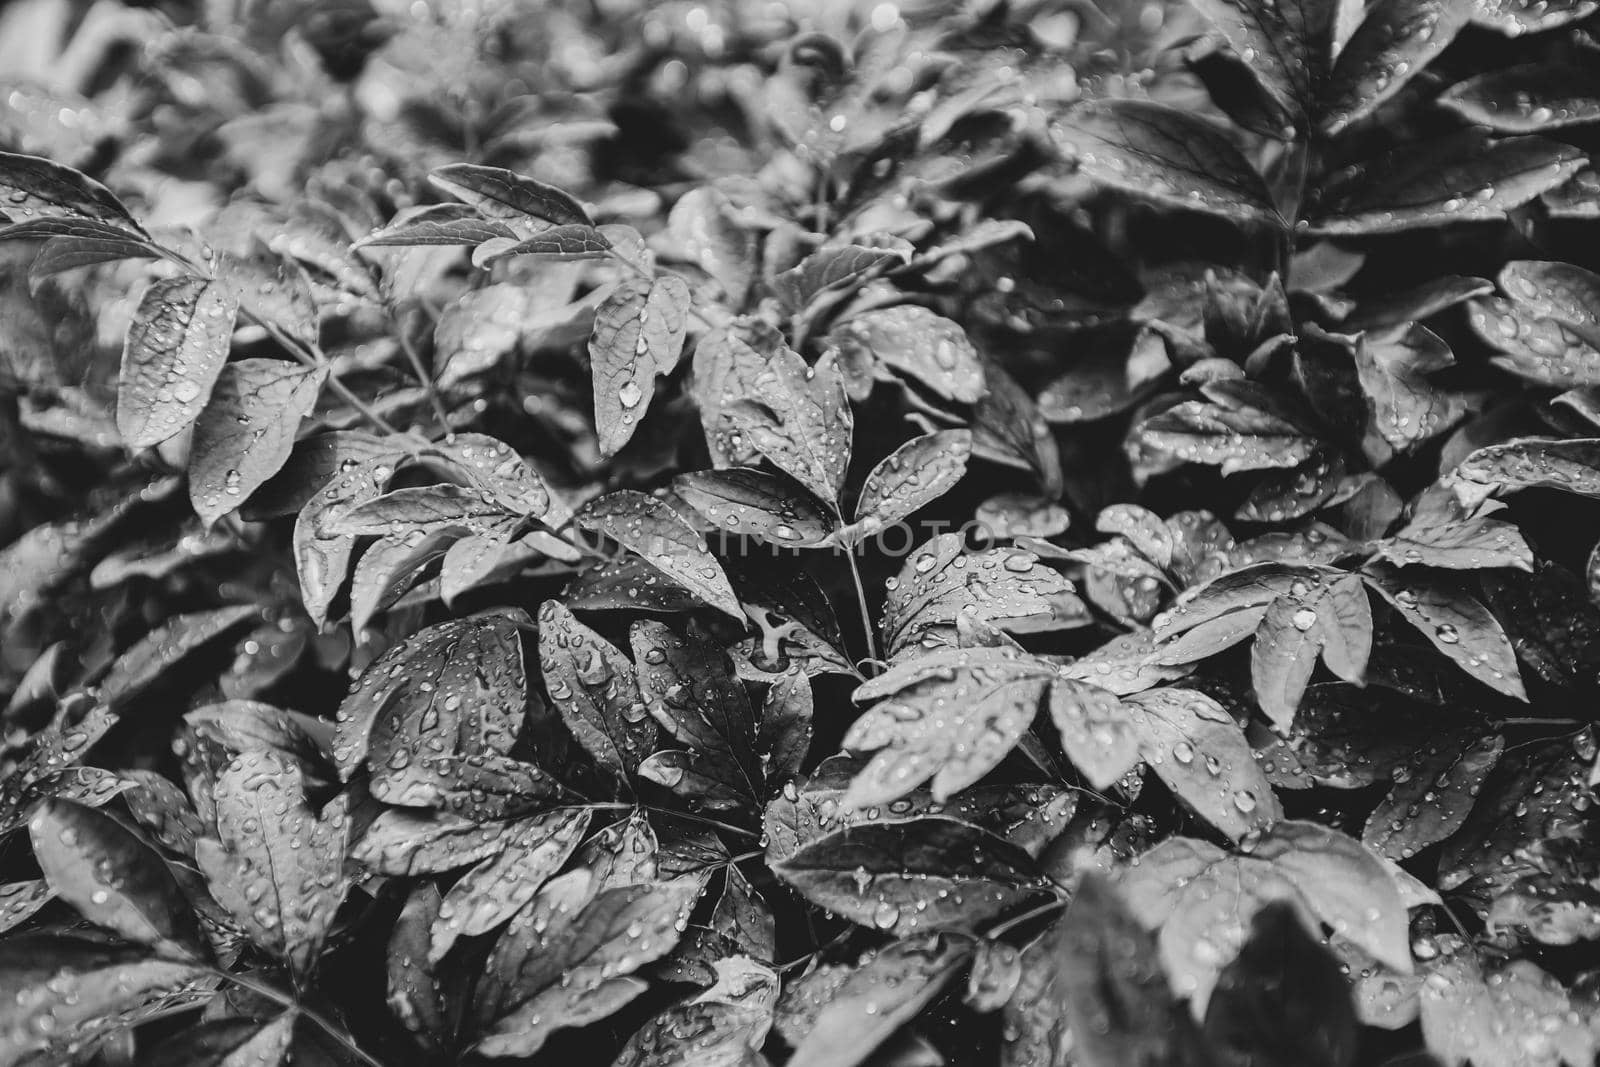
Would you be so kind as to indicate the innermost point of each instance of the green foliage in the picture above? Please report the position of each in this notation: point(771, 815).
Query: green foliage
point(727, 534)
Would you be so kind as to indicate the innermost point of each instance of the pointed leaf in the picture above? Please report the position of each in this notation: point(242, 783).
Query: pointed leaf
point(914, 341)
point(593, 687)
point(638, 334)
point(1395, 40)
point(1162, 154)
point(278, 868)
point(1430, 801)
point(33, 187)
point(799, 418)
point(913, 475)
point(655, 533)
point(1462, 178)
point(437, 224)
point(175, 350)
point(501, 194)
point(245, 434)
point(1456, 623)
point(114, 879)
point(1528, 99)
point(750, 502)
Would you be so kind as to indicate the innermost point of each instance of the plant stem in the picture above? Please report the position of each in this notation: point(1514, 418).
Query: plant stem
point(861, 603)
point(423, 377)
point(1032, 913)
point(617, 805)
point(278, 996)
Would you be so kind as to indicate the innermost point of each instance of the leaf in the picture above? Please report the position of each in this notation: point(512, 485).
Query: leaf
point(799, 418)
point(1283, 1001)
point(498, 887)
point(1407, 408)
point(33, 187)
point(493, 468)
point(1471, 545)
point(879, 997)
point(1332, 618)
point(437, 224)
point(1199, 751)
point(829, 268)
point(704, 224)
point(230, 1043)
point(655, 533)
point(321, 556)
point(749, 502)
point(272, 289)
point(317, 463)
point(951, 717)
point(1159, 153)
point(912, 476)
point(1538, 349)
point(114, 879)
point(1456, 624)
point(904, 877)
point(433, 509)
point(1395, 40)
point(1516, 17)
point(914, 341)
point(638, 334)
point(1281, 57)
point(1008, 428)
point(67, 989)
point(409, 842)
point(1430, 801)
point(723, 1027)
point(1571, 465)
point(567, 242)
point(455, 689)
point(110, 245)
point(1235, 438)
point(560, 965)
point(158, 651)
point(277, 866)
point(1529, 98)
point(1559, 291)
point(1117, 1001)
point(1551, 622)
point(414, 993)
point(19, 901)
point(176, 347)
point(940, 582)
point(592, 685)
point(247, 430)
point(686, 685)
point(501, 194)
point(1515, 1014)
point(1465, 177)
point(1095, 731)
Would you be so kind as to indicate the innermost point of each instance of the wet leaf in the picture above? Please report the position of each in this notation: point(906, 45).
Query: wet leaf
point(411, 842)
point(112, 877)
point(1528, 99)
point(799, 418)
point(34, 187)
point(655, 533)
point(159, 651)
point(502, 194)
point(878, 997)
point(951, 717)
point(1430, 801)
point(437, 224)
point(68, 988)
point(1407, 408)
point(1200, 752)
point(638, 334)
point(558, 242)
point(1456, 623)
point(1395, 40)
point(689, 691)
point(912, 476)
point(913, 341)
point(592, 685)
point(723, 1027)
point(941, 581)
point(1331, 618)
point(1461, 178)
point(1515, 1014)
point(247, 430)
point(535, 848)
point(567, 959)
point(1471, 545)
point(752, 503)
point(909, 876)
point(1572, 465)
point(1516, 17)
point(1234, 437)
point(276, 865)
point(455, 689)
point(1008, 428)
point(272, 289)
point(831, 268)
point(231, 1043)
point(175, 350)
